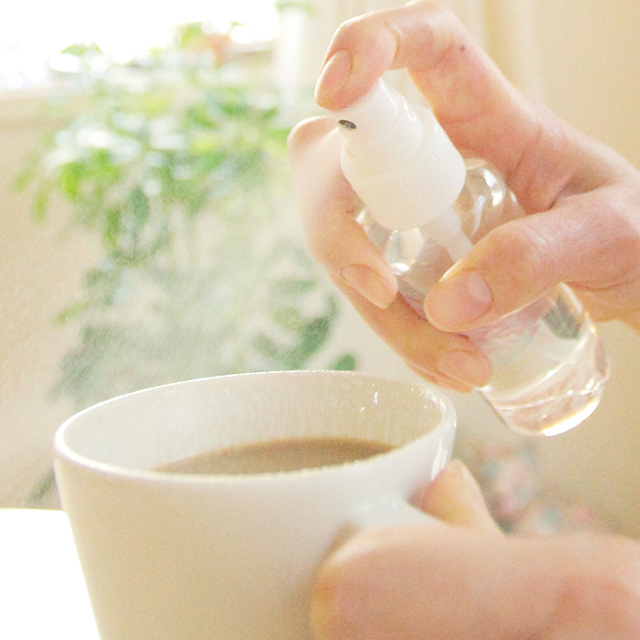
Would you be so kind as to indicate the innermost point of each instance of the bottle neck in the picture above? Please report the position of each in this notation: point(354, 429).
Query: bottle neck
point(446, 230)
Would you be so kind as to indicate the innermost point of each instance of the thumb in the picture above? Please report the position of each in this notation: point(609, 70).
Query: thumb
point(521, 261)
point(452, 583)
point(588, 241)
point(455, 497)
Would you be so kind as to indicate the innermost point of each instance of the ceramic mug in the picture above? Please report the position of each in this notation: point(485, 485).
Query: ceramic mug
point(215, 557)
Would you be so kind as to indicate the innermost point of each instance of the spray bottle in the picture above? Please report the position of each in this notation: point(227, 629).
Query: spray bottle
point(425, 208)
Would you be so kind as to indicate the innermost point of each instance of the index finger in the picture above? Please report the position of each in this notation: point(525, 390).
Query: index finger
point(461, 82)
point(327, 206)
point(480, 110)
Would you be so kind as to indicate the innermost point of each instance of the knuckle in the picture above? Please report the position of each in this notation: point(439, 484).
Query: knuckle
point(522, 259)
point(323, 251)
point(352, 30)
point(611, 217)
point(607, 596)
point(625, 217)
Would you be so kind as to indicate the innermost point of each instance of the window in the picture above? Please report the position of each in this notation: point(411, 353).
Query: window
point(35, 30)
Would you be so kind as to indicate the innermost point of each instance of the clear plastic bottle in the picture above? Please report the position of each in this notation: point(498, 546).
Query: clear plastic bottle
point(425, 209)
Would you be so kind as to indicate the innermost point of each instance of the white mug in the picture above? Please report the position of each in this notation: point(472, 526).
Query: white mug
point(169, 556)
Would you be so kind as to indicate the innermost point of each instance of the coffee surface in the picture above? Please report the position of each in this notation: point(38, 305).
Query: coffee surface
point(277, 455)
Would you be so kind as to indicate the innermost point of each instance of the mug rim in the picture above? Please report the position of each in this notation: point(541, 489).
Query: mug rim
point(63, 452)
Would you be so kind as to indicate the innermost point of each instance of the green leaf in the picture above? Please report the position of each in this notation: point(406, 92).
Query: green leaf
point(72, 312)
point(293, 287)
point(266, 346)
point(139, 205)
point(289, 319)
point(70, 179)
point(40, 202)
point(345, 362)
point(27, 174)
point(79, 50)
point(313, 336)
point(204, 143)
point(190, 35)
point(111, 232)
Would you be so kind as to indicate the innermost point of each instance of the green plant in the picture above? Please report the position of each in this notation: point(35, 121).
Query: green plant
point(177, 164)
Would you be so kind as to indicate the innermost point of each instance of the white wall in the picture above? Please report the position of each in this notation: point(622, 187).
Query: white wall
point(40, 272)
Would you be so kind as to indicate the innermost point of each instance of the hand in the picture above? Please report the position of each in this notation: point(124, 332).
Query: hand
point(461, 579)
point(584, 199)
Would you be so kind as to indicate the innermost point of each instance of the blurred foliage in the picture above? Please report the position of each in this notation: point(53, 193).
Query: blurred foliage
point(177, 164)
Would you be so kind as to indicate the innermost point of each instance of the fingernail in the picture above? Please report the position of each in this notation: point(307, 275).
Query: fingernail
point(465, 367)
point(458, 299)
point(333, 75)
point(377, 288)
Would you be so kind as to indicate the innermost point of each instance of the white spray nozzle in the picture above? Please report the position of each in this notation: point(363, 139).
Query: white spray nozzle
point(399, 160)
point(372, 115)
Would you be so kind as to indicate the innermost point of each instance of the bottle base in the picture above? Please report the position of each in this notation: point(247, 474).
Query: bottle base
point(550, 416)
point(567, 398)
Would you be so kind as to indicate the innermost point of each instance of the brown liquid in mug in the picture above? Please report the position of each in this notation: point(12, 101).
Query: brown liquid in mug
point(277, 455)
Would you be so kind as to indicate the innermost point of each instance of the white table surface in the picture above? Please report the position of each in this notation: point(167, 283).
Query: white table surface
point(42, 591)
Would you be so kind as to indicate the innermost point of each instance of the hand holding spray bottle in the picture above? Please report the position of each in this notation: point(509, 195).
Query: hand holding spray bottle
point(425, 209)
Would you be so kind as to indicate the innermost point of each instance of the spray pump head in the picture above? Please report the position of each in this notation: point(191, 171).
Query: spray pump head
point(399, 160)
